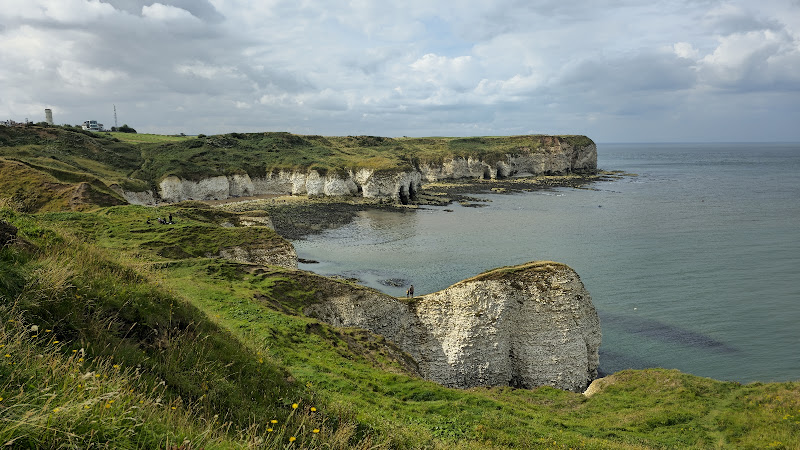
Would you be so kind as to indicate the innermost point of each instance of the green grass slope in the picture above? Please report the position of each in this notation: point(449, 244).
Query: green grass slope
point(108, 341)
point(103, 162)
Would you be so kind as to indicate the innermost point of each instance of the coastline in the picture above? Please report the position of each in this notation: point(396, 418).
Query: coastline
point(295, 217)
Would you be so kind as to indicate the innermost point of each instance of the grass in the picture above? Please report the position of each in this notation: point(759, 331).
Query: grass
point(144, 138)
point(212, 337)
point(112, 337)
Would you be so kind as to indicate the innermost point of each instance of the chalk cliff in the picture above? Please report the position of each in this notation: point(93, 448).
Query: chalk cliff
point(556, 156)
point(522, 326)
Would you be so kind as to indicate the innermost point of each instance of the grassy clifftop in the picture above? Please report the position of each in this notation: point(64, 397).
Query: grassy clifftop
point(50, 160)
point(107, 340)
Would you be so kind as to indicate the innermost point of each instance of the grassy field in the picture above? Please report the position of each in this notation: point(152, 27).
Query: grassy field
point(109, 340)
point(143, 138)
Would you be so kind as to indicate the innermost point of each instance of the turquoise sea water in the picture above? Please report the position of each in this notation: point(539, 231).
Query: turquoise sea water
point(693, 264)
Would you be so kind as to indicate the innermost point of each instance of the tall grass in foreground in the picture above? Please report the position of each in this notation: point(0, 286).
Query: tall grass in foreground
point(49, 399)
point(93, 355)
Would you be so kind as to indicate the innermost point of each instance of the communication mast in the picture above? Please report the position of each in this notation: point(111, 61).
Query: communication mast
point(115, 117)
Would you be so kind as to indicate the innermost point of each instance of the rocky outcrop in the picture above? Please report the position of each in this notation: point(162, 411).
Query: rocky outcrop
point(522, 326)
point(555, 156)
point(262, 254)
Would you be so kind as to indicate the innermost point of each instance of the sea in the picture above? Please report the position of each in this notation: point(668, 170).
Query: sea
point(692, 258)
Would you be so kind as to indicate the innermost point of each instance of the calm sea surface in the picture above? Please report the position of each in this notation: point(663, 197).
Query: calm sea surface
point(693, 264)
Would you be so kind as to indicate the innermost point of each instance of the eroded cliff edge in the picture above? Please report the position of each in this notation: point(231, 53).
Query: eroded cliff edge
point(523, 326)
point(542, 155)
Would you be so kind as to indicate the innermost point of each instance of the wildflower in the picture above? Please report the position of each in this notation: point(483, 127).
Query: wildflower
point(116, 366)
point(48, 331)
point(74, 351)
point(1, 399)
point(273, 421)
point(313, 409)
point(8, 355)
point(108, 405)
point(34, 328)
point(174, 408)
point(56, 342)
point(80, 359)
point(269, 430)
point(294, 405)
point(292, 439)
point(56, 409)
point(315, 430)
point(261, 360)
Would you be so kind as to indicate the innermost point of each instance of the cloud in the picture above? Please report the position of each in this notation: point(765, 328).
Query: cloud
point(418, 67)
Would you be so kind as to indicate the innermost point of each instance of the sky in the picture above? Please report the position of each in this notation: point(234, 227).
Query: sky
point(616, 71)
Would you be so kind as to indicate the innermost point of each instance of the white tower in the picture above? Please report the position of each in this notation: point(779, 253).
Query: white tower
point(48, 116)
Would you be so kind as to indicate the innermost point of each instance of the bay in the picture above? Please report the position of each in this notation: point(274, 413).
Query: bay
point(692, 264)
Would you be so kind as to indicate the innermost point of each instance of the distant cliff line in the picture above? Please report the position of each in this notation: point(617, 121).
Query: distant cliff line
point(531, 155)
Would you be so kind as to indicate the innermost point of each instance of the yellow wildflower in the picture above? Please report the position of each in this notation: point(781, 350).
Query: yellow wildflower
point(316, 430)
point(292, 439)
point(313, 409)
point(294, 405)
point(273, 421)
point(269, 430)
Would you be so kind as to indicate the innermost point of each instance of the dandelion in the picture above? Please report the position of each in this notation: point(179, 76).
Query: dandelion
point(174, 408)
point(108, 405)
point(273, 421)
point(80, 359)
point(116, 366)
point(292, 439)
point(269, 430)
point(74, 351)
point(313, 409)
point(8, 355)
point(315, 430)
point(1, 399)
point(56, 342)
point(56, 410)
point(34, 328)
point(294, 405)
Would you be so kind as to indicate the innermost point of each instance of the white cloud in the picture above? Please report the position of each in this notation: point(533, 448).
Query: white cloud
point(161, 12)
point(399, 68)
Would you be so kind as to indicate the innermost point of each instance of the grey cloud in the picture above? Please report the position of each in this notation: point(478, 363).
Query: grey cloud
point(201, 9)
point(638, 72)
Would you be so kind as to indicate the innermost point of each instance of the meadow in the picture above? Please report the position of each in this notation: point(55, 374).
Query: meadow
point(110, 341)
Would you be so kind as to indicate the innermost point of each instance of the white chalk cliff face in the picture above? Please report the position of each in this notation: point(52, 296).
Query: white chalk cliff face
point(557, 158)
point(523, 326)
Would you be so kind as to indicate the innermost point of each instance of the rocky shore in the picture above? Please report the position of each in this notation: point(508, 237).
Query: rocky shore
point(296, 216)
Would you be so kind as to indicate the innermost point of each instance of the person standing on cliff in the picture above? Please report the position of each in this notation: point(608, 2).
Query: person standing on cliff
point(410, 291)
